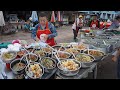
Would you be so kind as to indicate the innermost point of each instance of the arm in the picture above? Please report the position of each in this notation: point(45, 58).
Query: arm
point(33, 34)
point(53, 30)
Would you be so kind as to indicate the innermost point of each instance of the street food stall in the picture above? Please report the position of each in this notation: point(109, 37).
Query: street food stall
point(64, 60)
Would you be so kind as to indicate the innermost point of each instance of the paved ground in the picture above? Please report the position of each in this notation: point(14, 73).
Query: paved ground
point(106, 68)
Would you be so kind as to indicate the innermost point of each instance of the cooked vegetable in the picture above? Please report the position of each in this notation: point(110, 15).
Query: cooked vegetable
point(19, 66)
point(72, 50)
point(48, 63)
point(39, 52)
point(32, 57)
point(95, 53)
point(8, 55)
point(84, 58)
point(20, 76)
point(63, 55)
point(47, 49)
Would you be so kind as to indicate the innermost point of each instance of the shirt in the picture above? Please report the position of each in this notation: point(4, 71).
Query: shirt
point(114, 25)
point(78, 21)
point(51, 27)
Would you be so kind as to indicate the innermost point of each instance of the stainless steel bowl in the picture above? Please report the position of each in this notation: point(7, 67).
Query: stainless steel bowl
point(28, 74)
point(25, 57)
point(48, 70)
point(86, 64)
point(97, 58)
point(69, 55)
point(69, 72)
point(9, 60)
point(15, 62)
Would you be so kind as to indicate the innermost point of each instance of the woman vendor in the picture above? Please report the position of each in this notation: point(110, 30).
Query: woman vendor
point(46, 29)
point(94, 23)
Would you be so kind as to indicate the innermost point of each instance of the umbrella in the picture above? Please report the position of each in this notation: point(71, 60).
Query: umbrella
point(53, 17)
point(101, 16)
point(34, 16)
point(59, 16)
point(2, 21)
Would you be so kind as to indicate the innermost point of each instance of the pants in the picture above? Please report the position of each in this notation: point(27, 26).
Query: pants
point(75, 32)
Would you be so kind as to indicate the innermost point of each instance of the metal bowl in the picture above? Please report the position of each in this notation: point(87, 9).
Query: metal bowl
point(86, 64)
point(28, 74)
point(15, 62)
point(25, 57)
point(69, 72)
point(69, 55)
point(38, 54)
point(48, 70)
point(57, 47)
point(97, 58)
point(9, 60)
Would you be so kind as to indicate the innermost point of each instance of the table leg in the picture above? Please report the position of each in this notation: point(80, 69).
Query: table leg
point(95, 72)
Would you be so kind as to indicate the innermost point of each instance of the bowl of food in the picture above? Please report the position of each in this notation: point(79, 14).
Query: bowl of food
point(47, 50)
point(21, 53)
point(7, 57)
point(34, 70)
point(85, 59)
point(48, 63)
point(80, 46)
point(72, 50)
point(97, 54)
point(21, 76)
point(39, 52)
point(69, 67)
point(18, 66)
point(63, 55)
point(30, 57)
point(58, 47)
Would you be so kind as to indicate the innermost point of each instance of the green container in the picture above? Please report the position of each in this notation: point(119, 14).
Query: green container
point(4, 45)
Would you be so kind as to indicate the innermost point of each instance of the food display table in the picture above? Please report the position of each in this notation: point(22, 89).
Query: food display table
point(83, 73)
point(11, 75)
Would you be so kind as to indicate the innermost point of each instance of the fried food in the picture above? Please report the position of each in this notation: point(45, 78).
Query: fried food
point(69, 65)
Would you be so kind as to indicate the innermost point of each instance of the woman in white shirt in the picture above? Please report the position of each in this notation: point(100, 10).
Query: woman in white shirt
point(78, 24)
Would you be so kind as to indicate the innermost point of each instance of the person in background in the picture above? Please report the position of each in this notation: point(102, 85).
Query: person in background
point(94, 23)
point(78, 24)
point(116, 58)
point(27, 25)
point(116, 55)
point(44, 29)
point(115, 24)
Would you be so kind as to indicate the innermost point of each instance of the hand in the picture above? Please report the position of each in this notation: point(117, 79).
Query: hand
point(114, 59)
point(46, 37)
